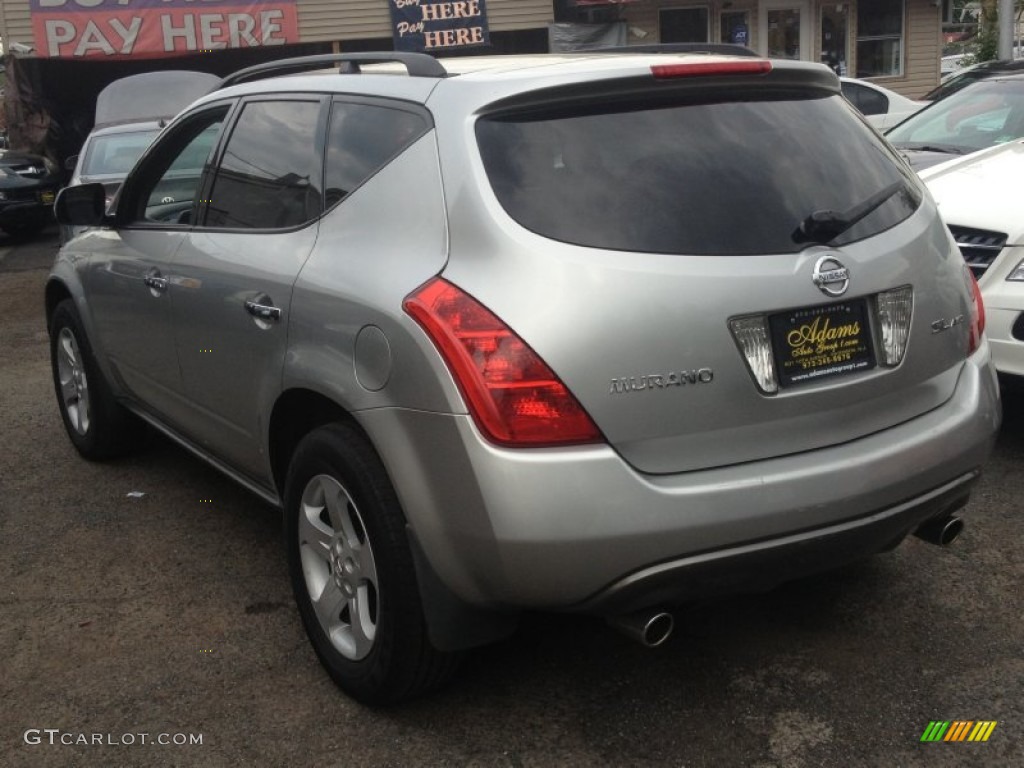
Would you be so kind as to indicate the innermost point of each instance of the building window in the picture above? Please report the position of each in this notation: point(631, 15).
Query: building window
point(879, 38)
point(684, 25)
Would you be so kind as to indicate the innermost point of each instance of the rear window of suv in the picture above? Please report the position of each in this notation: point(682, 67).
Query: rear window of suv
point(729, 177)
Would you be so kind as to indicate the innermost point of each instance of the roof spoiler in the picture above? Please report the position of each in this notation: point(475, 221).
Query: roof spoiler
point(417, 65)
point(725, 49)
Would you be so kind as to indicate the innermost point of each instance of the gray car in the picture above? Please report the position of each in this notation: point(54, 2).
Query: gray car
point(597, 333)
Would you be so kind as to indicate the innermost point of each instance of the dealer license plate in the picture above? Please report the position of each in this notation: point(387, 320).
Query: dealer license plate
point(46, 198)
point(817, 342)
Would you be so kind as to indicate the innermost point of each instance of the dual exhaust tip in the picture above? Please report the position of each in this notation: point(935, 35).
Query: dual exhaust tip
point(654, 626)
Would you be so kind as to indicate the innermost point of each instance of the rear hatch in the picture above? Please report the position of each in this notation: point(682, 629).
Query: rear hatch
point(721, 268)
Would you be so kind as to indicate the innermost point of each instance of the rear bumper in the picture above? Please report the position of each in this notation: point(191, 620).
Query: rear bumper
point(578, 528)
point(760, 566)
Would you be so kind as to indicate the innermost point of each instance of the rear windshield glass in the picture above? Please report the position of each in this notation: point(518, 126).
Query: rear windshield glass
point(707, 178)
point(116, 153)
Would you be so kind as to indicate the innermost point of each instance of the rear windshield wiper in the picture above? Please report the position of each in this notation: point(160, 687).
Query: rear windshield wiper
point(825, 225)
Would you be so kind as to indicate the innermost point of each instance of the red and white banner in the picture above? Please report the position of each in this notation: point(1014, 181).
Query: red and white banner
point(117, 29)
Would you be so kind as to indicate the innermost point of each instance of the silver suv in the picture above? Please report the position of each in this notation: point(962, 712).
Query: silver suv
point(592, 333)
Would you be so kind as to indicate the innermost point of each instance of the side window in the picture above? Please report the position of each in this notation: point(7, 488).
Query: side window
point(269, 175)
point(166, 187)
point(867, 101)
point(363, 138)
point(852, 94)
point(873, 102)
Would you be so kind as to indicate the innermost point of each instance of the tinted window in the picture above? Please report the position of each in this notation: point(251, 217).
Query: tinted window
point(989, 112)
point(269, 175)
point(165, 187)
point(868, 101)
point(721, 178)
point(362, 138)
point(116, 153)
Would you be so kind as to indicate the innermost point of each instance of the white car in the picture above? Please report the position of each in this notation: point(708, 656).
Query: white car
point(883, 108)
point(979, 198)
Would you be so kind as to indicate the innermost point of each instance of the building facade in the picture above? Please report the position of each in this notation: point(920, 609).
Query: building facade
point(897, 43)
point(60, 53)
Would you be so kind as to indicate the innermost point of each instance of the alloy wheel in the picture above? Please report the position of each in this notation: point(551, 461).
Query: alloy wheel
point(338, 566)
point(74, 386)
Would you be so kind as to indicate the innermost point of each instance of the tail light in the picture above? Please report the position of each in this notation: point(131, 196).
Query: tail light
point(977, 312)
point(711, 68)
point(513, 396)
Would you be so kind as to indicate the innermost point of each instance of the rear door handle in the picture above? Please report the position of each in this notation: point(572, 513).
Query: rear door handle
point(262, 311)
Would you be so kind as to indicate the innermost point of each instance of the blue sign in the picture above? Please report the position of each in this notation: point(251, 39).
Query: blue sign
point(436, 25)
point(739, 34)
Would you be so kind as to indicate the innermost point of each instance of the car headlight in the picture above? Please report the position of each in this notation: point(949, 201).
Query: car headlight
point(1017, 273)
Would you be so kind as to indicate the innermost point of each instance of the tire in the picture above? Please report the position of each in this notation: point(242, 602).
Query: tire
point(99, 427)
point(352, 571)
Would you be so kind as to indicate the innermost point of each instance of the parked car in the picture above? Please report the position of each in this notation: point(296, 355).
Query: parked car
point(981, 115)
point(883, 108)
point(597, 334)
point(960, 78)
point(130, 112)
point(979, 197)
point(28, 187)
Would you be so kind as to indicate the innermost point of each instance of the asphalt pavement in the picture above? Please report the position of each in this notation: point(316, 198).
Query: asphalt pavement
point(147, 600)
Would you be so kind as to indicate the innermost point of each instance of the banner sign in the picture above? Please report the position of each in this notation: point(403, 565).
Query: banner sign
point(117, 29)
point(433, 25)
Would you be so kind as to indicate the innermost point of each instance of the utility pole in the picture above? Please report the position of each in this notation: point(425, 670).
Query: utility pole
point(1006, 19)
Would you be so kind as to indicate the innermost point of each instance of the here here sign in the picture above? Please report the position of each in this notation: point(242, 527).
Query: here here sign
point(434, 25)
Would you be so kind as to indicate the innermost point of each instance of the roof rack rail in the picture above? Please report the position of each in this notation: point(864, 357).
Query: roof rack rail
point(417, 64)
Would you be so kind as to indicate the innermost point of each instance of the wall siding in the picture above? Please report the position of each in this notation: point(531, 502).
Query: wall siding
point(18, 23)
point(924, 48)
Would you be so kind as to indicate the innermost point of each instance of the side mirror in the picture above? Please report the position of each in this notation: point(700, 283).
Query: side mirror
point(70, 163)
point(83, 205)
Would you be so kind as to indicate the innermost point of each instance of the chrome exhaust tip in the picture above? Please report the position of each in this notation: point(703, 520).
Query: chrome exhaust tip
point(941, 531)
point(650, 628)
